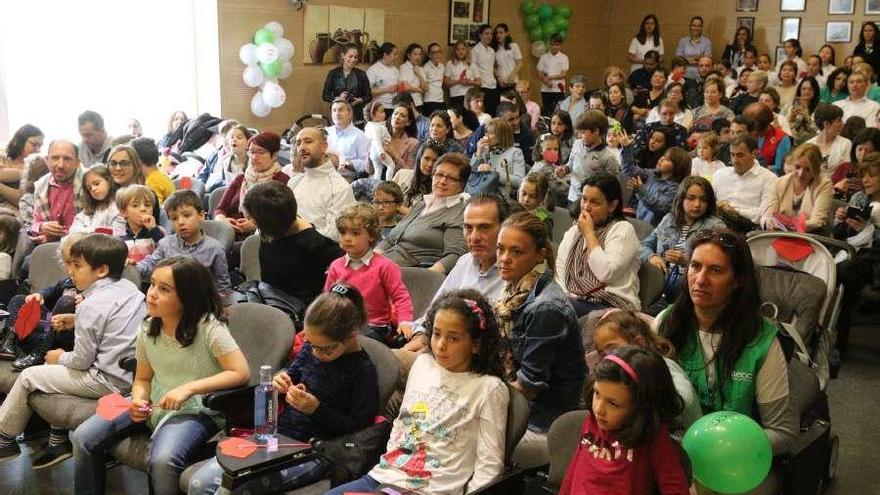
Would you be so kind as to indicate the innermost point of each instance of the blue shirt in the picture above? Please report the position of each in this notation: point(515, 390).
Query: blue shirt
point(207, 251)
point(689, 48)
point(352, 145)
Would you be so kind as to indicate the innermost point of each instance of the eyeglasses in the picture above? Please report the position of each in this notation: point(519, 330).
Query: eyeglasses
point(325, 349)
point(726, 240)
point(449, 178)
point(384, 203)
point(119, 164)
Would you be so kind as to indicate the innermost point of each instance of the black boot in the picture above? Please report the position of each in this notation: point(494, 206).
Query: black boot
point(8, 349)
point(37, 354)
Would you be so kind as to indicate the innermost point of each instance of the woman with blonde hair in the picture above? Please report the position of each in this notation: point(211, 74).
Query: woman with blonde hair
point(802, 199)
point(497, 152)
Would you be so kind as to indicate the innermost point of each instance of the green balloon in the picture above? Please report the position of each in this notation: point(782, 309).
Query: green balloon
point(536, 34)
point(560, 22)
point(563, 10)
point(263, 35)
point(563, 34)
point(548, 27)
point(528, 7)
point(273, 69)
point(545, 12)
point(729, 452)
point(532, 21)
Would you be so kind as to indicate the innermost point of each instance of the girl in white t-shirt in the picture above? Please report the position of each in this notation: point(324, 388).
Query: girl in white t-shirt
point(705, 164)
point(508, 58)
point(450, 434)
point(412, 79)
point(553, 68)
point(459, 75)
point(647, 39)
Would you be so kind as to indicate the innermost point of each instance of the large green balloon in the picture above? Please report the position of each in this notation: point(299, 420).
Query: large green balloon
point(273, 69)
point(560, 22)
point(729, 452)
point(545, 12)
point(528, 7)
point(548, 27)
point(536, 34)
point(263, 35)
point(532, 21)
point(563, 10)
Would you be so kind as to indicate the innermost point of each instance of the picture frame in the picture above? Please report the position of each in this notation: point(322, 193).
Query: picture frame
point(872, 7)
point(780, 54)
point(838, 31)
point(792, 5)
point(841, 7)
point(465, 18)
point(746, 5)
point(748, 22)
point(790, 28)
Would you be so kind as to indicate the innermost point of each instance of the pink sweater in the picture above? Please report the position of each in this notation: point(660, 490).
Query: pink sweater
point(380, 283)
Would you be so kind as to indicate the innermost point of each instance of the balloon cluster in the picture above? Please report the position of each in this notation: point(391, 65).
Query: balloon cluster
point(543, 21)
point(267, 60)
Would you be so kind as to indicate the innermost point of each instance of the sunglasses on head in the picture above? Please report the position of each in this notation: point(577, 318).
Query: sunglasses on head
point(724, 239)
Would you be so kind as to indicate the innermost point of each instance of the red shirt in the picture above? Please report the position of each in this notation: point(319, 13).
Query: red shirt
point(601, 465)
point(380, 283)
point(61, 207)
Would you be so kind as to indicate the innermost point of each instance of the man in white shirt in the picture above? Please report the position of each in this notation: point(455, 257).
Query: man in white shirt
point(349, 147)
point(321, 193)
point(483, 58)
point(858, 104)
point(384, 76)
point(742, 188)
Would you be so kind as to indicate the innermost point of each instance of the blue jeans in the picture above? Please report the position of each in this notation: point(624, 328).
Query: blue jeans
point(176, 445)
point(207, 479)
point(364, 484)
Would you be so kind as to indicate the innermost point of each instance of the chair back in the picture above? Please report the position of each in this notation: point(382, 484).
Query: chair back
point(22, 248)
point(221, 231)
point(517, 421)
point(643, 228)
point(561, 223)
point(562, 440)
point(651, 283)
point(264, 334)
point(387, 367)
point(195, 185)
point(214, 199)
point(133, 275)
point(250, 258)
point(45, 266)
point(422, 285)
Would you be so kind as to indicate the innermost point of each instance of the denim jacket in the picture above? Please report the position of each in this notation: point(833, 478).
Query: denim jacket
point(546, 343)
point(665, 235)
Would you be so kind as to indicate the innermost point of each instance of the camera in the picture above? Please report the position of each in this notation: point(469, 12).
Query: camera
point(863, 213)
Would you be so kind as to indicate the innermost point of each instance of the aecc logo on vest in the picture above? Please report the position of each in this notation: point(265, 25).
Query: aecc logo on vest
point(742, 376)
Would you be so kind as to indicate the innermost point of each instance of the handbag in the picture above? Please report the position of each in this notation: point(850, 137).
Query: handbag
point(259, 292)
point(351, 456)
point(673, 283)
point(483, 183)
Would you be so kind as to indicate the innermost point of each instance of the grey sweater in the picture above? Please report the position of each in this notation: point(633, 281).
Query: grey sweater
point(423, 240)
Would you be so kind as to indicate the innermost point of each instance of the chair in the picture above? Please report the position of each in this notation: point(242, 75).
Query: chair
point(22, 248)
point(221, 231)
point(133, 275)
point(422, 285)
point(214, 199)
point(195, 185)
point(643, 228)
point(651, 282)
point(45, 266)
point(250, 258)
point(561, 223)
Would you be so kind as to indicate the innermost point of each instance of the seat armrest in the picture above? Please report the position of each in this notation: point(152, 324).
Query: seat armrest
point(128, 363)
point(224, 400)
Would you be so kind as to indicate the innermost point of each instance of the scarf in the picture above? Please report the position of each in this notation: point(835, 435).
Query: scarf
point(580, 280)
point(252, 178)
point(514, 296)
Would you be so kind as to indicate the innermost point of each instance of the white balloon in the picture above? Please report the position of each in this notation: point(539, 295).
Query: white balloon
point(539, 48)
point(273, 95)
point(267, 53)
point(248, 54)
point(285, 48)
point(276, 28)
point(252, 76)
point(286, 70)
point(258, 106)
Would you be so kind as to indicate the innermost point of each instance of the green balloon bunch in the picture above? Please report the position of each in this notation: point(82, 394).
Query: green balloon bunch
point(544, 20)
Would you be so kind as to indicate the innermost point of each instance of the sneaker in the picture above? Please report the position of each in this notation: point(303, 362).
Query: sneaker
point(53, 455)
point(10, 451)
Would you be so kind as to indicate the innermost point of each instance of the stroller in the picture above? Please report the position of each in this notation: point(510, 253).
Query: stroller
point(798, 287)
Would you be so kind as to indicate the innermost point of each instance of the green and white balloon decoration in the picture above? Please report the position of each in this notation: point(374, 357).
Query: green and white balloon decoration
point(542, 21)
point(267, 60)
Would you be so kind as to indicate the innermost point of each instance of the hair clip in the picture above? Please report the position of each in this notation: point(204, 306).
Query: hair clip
point(340, 289)
point(475, 309)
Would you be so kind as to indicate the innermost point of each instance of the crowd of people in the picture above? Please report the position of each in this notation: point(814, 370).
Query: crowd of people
point(447, 164)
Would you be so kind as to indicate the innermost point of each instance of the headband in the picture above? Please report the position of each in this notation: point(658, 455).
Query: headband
point(475, 309)
point(626, 367)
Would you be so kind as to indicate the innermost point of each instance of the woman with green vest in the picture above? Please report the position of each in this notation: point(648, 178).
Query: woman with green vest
point(729, 352)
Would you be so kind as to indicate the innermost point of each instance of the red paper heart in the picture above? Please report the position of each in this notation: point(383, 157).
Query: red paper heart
point(112, 406)
point(186, 183)
point(237, 447)
point(28, 317)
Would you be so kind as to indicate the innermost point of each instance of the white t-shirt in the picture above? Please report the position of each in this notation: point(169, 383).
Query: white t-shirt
point(409, 76)
point(640, 49)
point(838, 153)
point(381, 76)
point(451, 426)
point(864, 108)
point(454, 71)
point(434, 75)
point(702, 168)
point(483, 58)
point(553, 64)
point(505, 59)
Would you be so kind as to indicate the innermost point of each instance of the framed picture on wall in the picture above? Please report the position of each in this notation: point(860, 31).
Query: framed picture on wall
point(838, 31)
point(791, 29)
point(746, 5)
point(780, 54)
point(465, 18)
point(872, 6)
point(841, 6)
point(792, 5)
point(748, 22)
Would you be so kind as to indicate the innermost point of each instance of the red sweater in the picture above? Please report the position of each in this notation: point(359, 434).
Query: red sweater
point(600, 465)
point(380, 283)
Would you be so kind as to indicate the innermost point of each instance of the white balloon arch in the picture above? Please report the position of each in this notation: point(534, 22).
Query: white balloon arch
point(267, 60)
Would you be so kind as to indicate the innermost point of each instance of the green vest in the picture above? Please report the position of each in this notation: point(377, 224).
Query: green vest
point(737, 391)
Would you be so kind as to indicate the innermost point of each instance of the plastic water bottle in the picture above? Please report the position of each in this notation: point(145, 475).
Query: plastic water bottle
point(265, 407)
